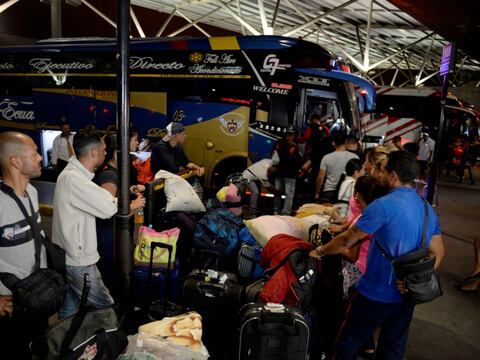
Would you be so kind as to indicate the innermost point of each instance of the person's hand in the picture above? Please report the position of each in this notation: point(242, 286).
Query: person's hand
point(314, 254)
point(317, 196)
point(401, 286)
point(6, 305)
point(138, 203)
point(139, 189)
point(335, 228)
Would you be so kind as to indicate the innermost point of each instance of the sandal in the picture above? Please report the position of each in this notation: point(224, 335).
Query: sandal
point(471, 277)
point(471, 291)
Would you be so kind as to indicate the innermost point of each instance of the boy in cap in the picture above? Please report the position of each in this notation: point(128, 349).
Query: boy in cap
point(168, 153)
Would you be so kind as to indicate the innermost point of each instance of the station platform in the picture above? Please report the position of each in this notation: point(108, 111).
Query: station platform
point(447, 328)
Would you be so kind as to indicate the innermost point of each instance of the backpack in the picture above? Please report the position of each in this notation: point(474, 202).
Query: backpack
point(218, 231)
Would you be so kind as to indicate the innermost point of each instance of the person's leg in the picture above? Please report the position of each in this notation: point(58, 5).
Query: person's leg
point(394, 333)
point(362, 318)
point(277, 200)
point(252, 186)
point(289, 194)
point(98, 296)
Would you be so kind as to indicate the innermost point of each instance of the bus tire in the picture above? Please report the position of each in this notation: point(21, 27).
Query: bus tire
point(225, 168)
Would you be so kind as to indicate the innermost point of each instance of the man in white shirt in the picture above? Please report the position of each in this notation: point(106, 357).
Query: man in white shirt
point(331, 168)
point(256, 176)
point(76, 204)
point(62, 148)
point(426, 147)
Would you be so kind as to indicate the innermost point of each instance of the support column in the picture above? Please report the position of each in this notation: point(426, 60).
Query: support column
point(56, 18)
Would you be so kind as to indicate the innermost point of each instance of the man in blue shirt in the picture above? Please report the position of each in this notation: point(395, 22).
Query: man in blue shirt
point(396, 222)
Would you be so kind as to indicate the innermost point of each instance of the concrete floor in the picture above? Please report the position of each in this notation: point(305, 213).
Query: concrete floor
point(449, 327)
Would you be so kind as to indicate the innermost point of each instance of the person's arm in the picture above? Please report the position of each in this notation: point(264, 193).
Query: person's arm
point(92, 199)
point(437, 249)
point(339, 243)
point(352, 254)
point(199, 171)
point(319, 183)
point(110, 187)
point(6, 305)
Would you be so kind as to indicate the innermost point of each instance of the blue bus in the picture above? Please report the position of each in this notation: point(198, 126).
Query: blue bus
point(235, 95)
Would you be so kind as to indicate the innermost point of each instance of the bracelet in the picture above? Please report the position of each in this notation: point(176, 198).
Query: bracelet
point(133, 189)
point(319, 251)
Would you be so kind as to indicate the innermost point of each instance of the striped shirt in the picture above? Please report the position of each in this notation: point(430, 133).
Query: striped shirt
point(17, 246)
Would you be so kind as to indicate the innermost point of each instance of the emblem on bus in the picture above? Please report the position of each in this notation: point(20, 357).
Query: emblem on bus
point(232, 126)
point(272, 64)
point(195, 57)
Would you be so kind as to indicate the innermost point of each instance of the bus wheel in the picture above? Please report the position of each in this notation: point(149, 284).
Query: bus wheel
point(224, 169)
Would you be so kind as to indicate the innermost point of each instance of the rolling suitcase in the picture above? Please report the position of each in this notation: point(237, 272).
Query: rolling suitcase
point(217, 297)
point(160, 288)
point(272, 332)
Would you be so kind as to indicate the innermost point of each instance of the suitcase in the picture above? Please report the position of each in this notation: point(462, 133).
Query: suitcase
point(217, 297)
point(159, 289)
point(272, 332)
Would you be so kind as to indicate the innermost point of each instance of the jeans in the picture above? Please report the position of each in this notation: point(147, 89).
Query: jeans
point(363, 317)
point(254, 187)
point(287, 186)
point(98, 296)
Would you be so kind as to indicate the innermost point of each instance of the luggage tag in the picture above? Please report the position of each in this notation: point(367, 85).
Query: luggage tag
point(276, 308)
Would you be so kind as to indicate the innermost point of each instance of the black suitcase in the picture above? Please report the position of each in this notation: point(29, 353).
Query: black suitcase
point(272, 332)
point(217, 299)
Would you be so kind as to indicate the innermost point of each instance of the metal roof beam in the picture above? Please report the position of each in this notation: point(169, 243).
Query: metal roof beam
point(274, 17)
point(399, 51)
point(366, 58)
point(196, 25)
point(267, 30)
point(99, 13)
point(165, 24)
point(137, 23)
point(314, 20)
point(7, 4)
point(238, 18)
point(193, 23)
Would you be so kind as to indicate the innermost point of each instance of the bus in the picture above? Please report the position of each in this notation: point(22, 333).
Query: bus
point(235, 95)
point(407, 112)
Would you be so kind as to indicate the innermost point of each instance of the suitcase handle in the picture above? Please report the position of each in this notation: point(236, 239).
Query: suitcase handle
point(168, 283)
point(206, 254)
point(216, 288)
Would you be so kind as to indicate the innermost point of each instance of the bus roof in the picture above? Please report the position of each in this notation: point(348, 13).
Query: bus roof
point(168, 43)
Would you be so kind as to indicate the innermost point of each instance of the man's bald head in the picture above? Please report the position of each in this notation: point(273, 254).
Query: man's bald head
point(12, 143)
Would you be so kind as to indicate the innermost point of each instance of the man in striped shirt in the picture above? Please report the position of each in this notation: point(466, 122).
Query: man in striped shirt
point(19, 162)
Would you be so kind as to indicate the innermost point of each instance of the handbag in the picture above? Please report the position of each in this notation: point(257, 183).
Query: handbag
point(41, 294)
point(417, 270)
point(89, 334)
point(141, 255)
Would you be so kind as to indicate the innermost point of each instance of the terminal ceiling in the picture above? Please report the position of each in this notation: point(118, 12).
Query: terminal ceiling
point(396, 42)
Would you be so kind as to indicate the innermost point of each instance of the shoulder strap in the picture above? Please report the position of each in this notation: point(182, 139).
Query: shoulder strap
point(29, 218)
point(424, 235)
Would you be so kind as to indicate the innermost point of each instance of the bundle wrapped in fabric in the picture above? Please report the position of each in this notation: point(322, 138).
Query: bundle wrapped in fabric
point(318, 209)
point(184, 329)
point(265, 227)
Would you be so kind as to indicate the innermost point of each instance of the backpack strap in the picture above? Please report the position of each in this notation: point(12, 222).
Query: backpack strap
point(10, 279)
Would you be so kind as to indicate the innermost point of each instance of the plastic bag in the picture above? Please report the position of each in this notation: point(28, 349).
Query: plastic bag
point(147, 347)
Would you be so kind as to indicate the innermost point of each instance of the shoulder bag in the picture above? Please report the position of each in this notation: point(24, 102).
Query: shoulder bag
point(417, 270)
point(41, 294)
